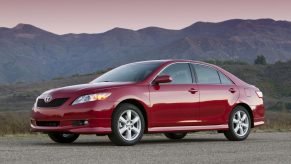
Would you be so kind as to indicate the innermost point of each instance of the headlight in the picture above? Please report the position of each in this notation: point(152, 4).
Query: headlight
point(91, 97)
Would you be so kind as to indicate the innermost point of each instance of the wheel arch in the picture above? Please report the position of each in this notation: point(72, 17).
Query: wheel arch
point(139, 105)
point(248, 108)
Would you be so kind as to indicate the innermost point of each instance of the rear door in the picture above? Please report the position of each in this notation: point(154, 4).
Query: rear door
point(175, 103)
point(217, 94)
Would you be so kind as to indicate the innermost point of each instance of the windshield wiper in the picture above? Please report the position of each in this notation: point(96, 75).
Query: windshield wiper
point(104, 81)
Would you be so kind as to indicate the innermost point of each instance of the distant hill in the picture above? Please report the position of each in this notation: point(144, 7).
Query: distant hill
point(273, 79)
point(28, 53)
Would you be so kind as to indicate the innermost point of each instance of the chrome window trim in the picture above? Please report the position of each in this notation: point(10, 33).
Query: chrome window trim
point(217, 74)
point(170, 65)
point(195, 79)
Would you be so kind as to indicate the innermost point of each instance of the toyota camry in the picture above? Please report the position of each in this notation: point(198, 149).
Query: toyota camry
point(173, 97)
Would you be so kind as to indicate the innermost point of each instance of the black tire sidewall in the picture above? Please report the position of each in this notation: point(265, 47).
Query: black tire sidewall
point(175, 136)
point(58, 137)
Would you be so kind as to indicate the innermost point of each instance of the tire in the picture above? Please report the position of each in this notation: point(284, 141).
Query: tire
point(239, 124)
point(125, 131)
point(63, 137)
point(175, 136)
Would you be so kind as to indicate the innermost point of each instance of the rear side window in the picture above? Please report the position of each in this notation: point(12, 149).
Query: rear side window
point(180, 73)
point(224, 79)
point(206, 75)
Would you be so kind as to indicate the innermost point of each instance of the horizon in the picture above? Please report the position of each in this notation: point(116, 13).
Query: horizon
point(140, 28)
point(76, 16)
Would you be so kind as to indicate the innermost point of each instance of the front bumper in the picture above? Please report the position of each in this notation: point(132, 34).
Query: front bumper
point(88, 118)
point(95, 126)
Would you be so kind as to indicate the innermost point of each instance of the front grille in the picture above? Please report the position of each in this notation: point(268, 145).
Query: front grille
point(54, 103)
point(48, 123)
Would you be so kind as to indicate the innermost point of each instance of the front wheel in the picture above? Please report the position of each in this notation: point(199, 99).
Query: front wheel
point(127, 125)
point(175, 136)
point(239, 125)
point(63, 137)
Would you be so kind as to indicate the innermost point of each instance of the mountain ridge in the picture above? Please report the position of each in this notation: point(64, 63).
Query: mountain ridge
point(29, 53)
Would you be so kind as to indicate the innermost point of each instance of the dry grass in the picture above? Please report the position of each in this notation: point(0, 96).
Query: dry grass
point(18, 122)
point(14, 123)
point(276, 121)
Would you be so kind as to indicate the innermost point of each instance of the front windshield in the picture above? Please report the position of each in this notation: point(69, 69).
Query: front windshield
point(133, 72)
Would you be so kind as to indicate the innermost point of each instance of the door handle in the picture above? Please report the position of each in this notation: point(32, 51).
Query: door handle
point(231, 90)
point(193, 90)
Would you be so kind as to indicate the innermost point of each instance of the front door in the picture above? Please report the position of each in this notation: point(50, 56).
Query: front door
point(175, 103)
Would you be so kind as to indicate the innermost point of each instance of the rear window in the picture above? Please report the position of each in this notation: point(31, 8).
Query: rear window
point(206, 75)
point(224, 79)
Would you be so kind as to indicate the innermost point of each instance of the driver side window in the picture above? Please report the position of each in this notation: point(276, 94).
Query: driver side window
point(180, 73)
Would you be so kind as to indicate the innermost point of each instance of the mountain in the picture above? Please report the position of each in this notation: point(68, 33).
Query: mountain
point(28, 53)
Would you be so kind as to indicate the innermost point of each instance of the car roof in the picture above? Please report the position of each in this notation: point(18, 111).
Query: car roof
point(171, 61)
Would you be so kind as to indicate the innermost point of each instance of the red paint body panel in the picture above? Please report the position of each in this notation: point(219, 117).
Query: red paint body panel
point(216, 102)
point(166, 107)
point(174, 105)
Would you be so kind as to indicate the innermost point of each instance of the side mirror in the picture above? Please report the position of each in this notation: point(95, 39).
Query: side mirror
point(162, 79)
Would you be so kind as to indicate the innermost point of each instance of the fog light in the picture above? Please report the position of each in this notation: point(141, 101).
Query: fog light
point(80, 122)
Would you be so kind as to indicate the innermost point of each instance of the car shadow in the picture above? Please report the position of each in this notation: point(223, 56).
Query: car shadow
point(186, 140)
point(142, 142)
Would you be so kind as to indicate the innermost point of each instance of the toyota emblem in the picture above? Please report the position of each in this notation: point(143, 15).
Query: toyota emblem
point(48, 99)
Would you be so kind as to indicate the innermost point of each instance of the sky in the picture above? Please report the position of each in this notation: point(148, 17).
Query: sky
point(96, 16)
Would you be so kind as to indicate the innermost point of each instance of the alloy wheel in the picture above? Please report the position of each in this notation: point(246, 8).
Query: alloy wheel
point(240, 123)
point(129, 125)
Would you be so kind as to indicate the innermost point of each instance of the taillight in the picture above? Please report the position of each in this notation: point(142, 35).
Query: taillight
point(260, 94)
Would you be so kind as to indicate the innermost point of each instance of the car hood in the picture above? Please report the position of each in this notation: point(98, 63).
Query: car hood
point(84, 88)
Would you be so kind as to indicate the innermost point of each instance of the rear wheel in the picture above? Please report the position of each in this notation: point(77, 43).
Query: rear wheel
point(127, 125)
point(63, 137)
point(175, 136)
point(239, 124)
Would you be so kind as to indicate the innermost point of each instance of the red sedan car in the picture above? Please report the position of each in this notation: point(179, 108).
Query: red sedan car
point(161, 96)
